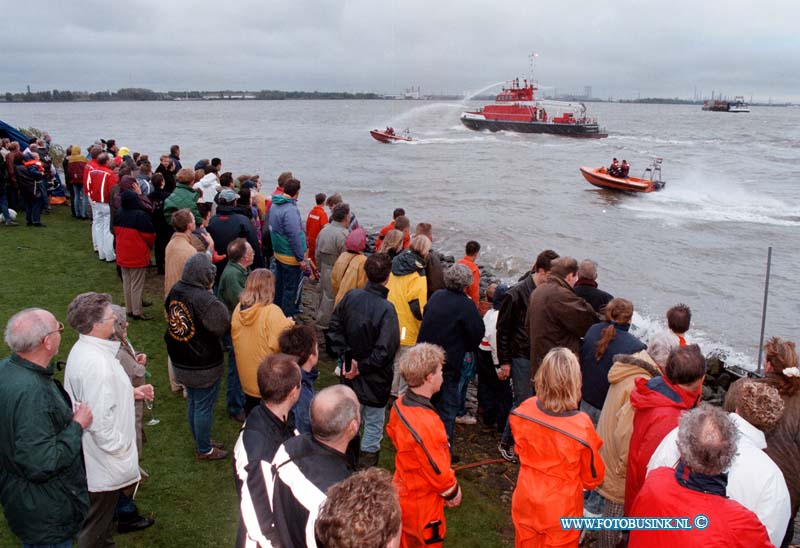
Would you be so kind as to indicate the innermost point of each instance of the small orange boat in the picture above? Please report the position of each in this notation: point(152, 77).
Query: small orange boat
point(389, 136)
point(648, 182)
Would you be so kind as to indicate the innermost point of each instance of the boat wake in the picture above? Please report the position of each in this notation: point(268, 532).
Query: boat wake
point(699, 199)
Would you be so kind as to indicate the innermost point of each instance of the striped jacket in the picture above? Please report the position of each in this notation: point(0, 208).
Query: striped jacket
point(261, 436)
point(303, 469)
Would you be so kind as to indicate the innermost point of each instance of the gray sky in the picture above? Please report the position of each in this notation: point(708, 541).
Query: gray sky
point(621, 48)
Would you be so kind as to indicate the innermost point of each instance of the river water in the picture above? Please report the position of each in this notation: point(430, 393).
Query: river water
point(733, 189)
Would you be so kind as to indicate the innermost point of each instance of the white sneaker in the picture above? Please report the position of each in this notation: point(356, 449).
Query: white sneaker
point(466, 419)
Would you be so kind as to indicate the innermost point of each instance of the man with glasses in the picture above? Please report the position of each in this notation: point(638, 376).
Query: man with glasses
point(95, 376)
point(43, 484)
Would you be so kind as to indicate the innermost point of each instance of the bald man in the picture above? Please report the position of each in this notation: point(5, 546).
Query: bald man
point(43, 487)
point(305, 466)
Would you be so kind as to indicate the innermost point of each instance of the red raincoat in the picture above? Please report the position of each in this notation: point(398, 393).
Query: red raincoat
point(316, 220)
point(730, 524)
point(559, 458)
point(657, 405)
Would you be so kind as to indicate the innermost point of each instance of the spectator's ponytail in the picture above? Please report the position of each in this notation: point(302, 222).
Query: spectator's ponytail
point(618, 311)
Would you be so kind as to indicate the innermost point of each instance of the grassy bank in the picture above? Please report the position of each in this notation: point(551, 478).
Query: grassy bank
point(194, 504)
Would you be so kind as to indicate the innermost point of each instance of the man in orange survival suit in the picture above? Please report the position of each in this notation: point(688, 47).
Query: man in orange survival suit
point(423, 476)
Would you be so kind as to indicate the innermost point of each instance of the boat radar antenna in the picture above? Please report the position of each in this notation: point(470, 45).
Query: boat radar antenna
point(532, 58)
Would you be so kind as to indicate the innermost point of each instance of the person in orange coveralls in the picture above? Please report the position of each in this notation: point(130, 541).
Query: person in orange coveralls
point(559, 456)
point(424, 479)
point(315, 222)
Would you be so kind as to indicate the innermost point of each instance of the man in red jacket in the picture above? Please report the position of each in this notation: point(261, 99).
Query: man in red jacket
point(658, 404)
point(135, 238)
point(696, 489)
point(317, 218)
point(99, 180)
point(471, 254)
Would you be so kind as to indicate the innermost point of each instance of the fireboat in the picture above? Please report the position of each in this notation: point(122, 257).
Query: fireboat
point(516, 110)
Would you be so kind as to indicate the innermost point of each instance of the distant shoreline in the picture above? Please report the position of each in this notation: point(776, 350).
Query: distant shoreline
point(142, 95)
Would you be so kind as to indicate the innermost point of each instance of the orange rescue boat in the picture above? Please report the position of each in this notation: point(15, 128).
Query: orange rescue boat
point(389, 135)
point(648, 182)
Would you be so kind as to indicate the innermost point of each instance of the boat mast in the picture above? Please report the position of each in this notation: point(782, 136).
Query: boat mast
point(532, 58)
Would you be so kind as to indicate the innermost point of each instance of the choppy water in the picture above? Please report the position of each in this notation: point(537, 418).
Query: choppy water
point(733, 188)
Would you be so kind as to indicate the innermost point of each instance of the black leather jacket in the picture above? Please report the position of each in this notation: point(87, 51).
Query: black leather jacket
point(364, 326)
point(512, 336)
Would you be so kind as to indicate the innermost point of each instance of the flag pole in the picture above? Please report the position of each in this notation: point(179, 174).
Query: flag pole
point(760, 369)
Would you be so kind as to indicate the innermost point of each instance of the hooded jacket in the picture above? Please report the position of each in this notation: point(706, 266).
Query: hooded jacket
point(286, 230)
point(76, 164)
point(348, 273)
point(255, 331)
point(126, 183)
point(559, 458)
point(595, 373)
point(616, 419)
point(657, 405)
point(364, 327)
point(42, 479)
point(556, 317)
point(196, 321)
point(408, 293)
point(134, 233)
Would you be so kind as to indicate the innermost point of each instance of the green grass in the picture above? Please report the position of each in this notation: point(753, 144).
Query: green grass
point(194, 504)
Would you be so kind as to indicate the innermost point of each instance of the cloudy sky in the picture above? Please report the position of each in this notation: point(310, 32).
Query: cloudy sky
point(622, 48)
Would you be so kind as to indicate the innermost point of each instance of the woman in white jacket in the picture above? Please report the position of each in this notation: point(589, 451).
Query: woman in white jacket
point(94, 376)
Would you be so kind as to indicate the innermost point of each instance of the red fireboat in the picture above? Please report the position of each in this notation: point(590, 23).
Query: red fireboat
point(516, 110)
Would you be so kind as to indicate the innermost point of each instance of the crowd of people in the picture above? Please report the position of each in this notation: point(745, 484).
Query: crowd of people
point(600, 422)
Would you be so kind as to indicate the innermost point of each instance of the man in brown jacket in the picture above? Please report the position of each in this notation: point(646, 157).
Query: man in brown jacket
point(556, 315)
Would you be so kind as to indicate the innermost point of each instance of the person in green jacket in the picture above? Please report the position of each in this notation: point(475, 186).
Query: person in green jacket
point(42, 479)
point(184, 196)
point(231, 284)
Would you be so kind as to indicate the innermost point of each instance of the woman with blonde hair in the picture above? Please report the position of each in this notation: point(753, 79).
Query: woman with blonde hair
point(558, 450)
point(392, 243)
point(256, 325)
point(782, 373)
point(601, 343)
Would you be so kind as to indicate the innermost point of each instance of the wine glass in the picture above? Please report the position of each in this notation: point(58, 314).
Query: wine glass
point(153, 420)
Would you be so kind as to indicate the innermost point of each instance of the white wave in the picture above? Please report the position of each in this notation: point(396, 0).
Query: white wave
point(700, 198)
point(644, 328)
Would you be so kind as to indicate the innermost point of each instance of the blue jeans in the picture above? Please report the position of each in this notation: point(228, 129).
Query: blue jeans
point(372, 418)
point(201, 409)
point(522, 389)
point(467, 374)
point(447, 401)
point(4, 202)
point(33, 207)
point(233, 390)
point(66, 544)
point(79, 202)
point(287, 279)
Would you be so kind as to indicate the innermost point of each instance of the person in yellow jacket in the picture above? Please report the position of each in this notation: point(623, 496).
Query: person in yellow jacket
point(348, 271)
point(408, 292)
point(256, 325)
